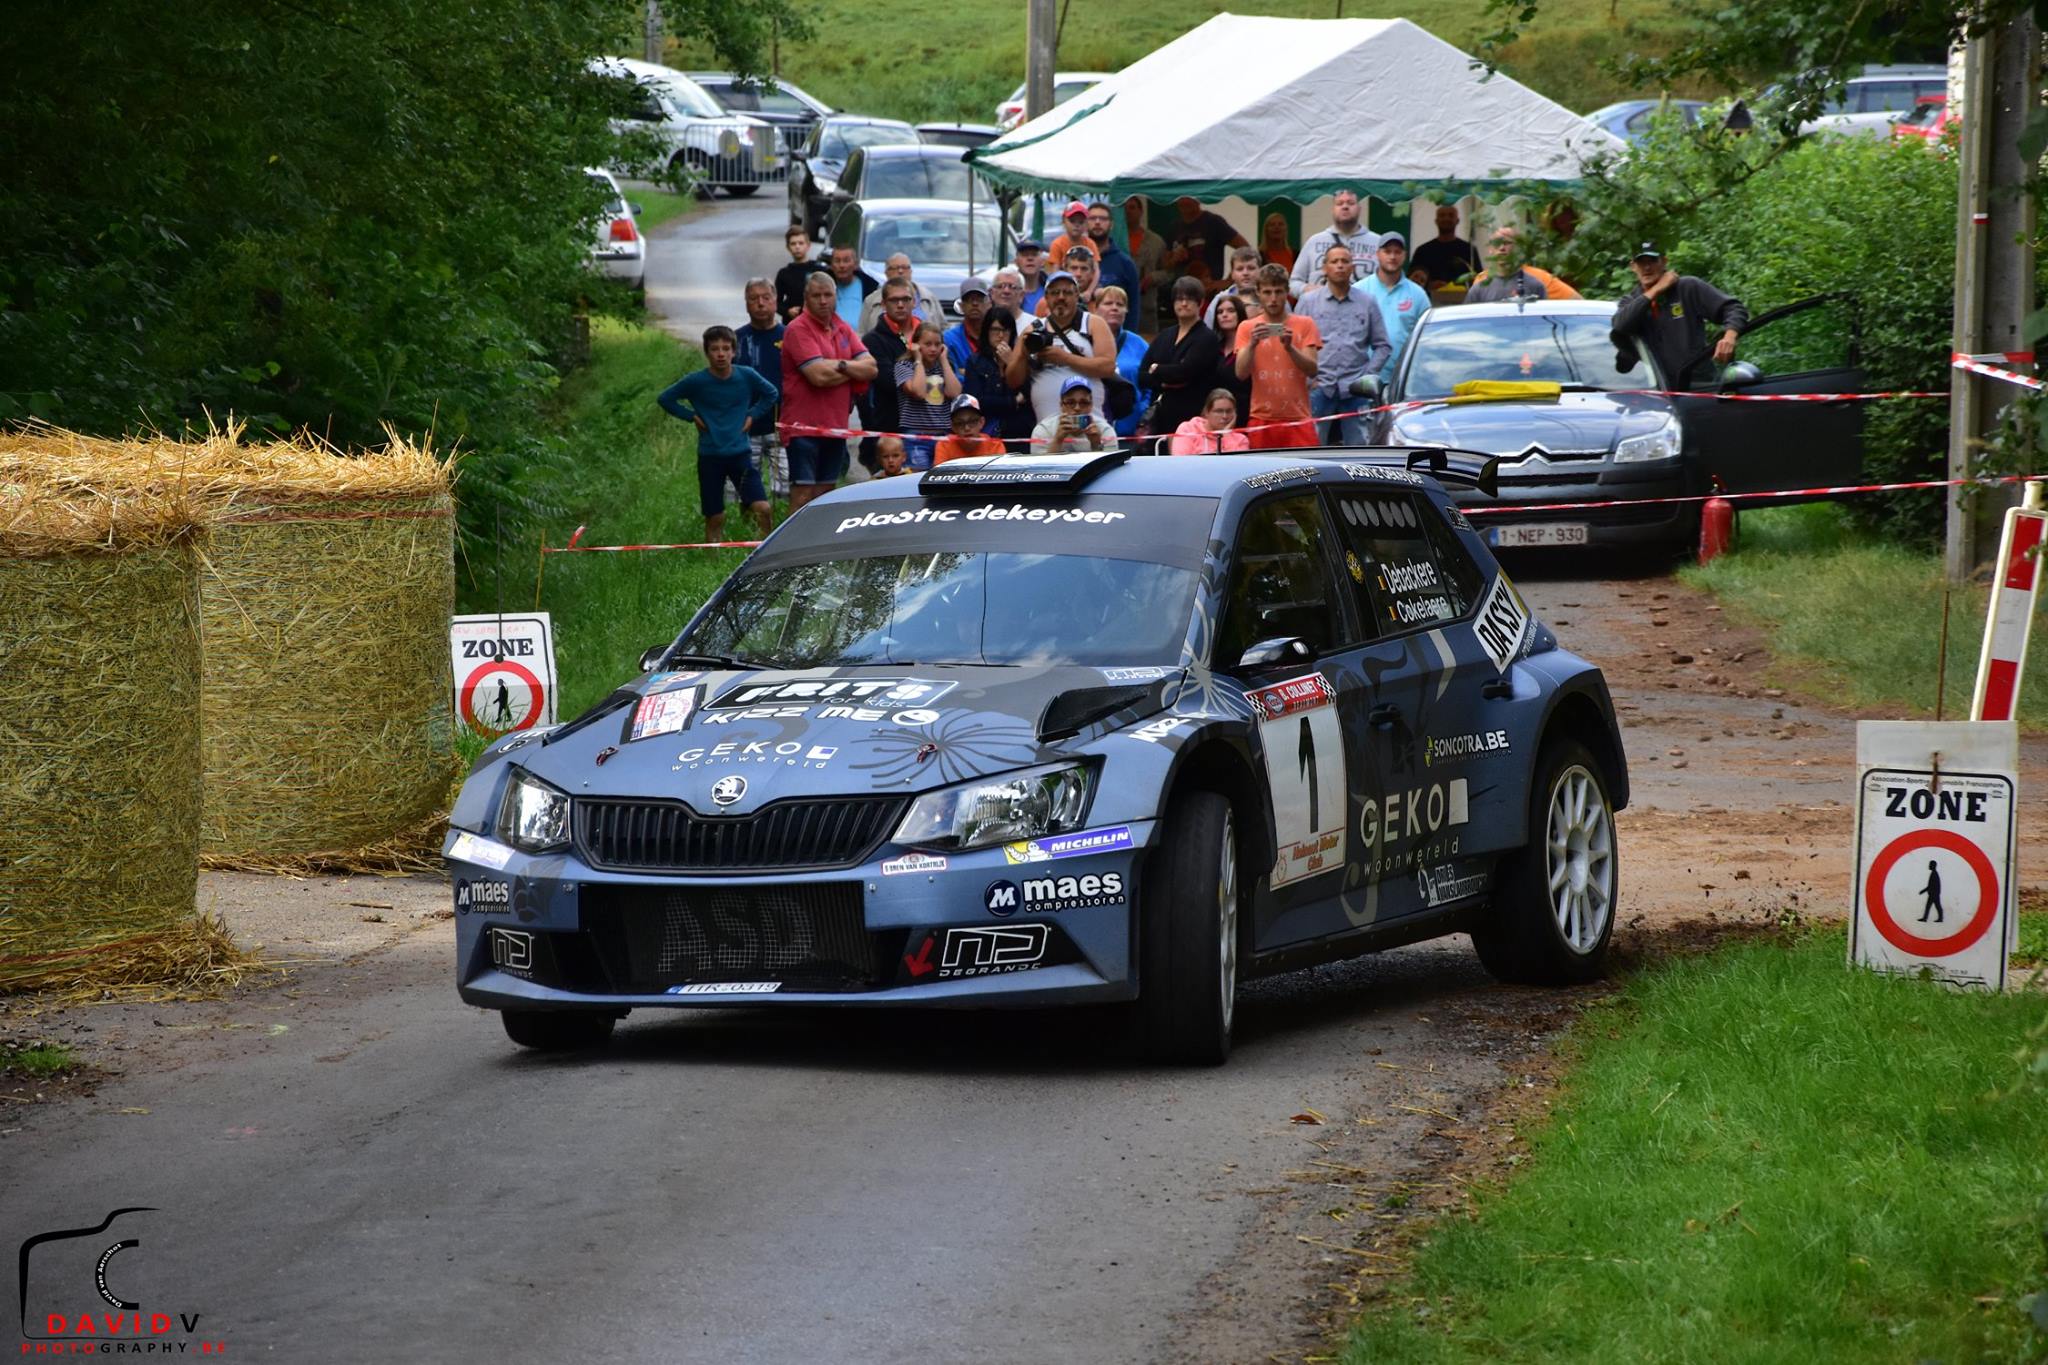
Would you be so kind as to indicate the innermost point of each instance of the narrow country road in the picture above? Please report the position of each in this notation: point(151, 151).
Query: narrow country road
point(349, 1164)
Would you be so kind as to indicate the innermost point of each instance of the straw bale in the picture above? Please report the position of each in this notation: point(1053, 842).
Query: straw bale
point(325, 594)
point(99, 721)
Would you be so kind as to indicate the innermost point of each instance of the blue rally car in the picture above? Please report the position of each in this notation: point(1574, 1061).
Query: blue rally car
point(1030, 732)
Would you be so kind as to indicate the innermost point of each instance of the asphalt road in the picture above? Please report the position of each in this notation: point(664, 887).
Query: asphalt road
point(697, 267)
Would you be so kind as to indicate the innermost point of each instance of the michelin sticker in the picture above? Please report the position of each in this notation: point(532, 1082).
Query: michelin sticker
point(1079, 845)
point(1501, 623)
point(1303, 749)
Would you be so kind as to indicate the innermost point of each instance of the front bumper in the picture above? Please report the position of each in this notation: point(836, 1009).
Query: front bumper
point(550, 931)
point(1616, 510)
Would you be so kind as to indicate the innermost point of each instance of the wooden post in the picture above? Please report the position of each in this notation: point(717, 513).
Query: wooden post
point(1994, 269)
point(1041, 55)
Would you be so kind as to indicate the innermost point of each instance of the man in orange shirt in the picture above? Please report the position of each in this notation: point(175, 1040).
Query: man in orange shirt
point(1076, 219)
point(1508, 277)
point(1277, 351)
point(966, 439)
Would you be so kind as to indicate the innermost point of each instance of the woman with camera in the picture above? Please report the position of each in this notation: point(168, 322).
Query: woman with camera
point(1066, 343)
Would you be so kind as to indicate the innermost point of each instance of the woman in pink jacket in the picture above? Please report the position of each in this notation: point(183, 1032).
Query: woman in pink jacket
point(1209, 432)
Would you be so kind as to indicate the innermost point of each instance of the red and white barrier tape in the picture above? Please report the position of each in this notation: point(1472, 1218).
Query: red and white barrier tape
point(1981, 364)
point(1838, 490)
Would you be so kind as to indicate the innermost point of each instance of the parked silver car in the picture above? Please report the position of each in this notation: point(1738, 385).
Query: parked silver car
point(698, 139)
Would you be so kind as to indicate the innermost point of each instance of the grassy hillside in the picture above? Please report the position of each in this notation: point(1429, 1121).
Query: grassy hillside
point(957, 60)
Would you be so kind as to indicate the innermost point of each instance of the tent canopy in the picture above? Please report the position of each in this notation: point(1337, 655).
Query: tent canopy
point(1295, 109)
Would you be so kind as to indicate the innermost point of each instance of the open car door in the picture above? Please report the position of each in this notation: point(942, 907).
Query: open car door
point(1750, 447)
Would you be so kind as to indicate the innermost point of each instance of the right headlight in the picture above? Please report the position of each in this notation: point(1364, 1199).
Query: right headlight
point(533, 816)
point(1661, 443)
point(997, 810)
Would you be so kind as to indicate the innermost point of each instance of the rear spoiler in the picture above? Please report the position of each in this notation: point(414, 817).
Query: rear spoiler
point(1464, 468)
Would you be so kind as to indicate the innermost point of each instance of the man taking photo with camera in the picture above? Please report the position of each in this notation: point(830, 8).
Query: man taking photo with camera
point(1064, 344)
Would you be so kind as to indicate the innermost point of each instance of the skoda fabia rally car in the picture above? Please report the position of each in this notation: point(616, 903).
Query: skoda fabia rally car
point(1031, 732)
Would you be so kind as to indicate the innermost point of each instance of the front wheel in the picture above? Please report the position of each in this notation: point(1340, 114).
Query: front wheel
point(1188, 936)
point(559, 1030)
point(1552, 915)
point(741, 191)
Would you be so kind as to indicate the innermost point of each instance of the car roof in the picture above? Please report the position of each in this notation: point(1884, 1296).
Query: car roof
point(1207, 476)
point(1540, 307)
point(904, 150)
point(959, 128)
point(956, 207)
point(1901, 69)
point(868, 119)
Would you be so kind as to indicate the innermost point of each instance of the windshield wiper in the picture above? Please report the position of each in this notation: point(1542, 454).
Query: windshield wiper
point(721, 661)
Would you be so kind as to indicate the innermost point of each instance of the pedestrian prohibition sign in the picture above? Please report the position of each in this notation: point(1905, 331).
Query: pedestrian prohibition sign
point(504, 671)
point(1934, 849)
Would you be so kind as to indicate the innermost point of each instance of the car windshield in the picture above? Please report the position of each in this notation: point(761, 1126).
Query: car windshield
point(932, 238)
point(953, 607)
point(1569, 349)
point(614, 205)
point(689, 97)
point(918, 177)
point(840, 139)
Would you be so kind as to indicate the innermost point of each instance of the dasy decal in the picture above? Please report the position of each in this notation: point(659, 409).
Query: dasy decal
point(1501, 623)
point(1303, 749)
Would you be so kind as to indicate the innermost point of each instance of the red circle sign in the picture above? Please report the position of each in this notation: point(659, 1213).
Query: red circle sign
point(1896, 934)
point(518, 671)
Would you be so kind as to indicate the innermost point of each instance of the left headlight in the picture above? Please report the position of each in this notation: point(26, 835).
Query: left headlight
point(533, 816)
point(1024, 805)
point(1662, 443)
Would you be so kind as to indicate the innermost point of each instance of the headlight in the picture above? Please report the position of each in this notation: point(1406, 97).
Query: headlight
point(1023, 805)
point(534, 815)
point(1660, 444)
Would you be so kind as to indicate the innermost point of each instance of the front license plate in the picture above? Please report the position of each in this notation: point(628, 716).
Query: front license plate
point(1543, 533)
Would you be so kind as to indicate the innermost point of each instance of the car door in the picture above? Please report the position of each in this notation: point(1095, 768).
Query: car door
point(1749, 446)
point(1304, 716)
point(1434, 778)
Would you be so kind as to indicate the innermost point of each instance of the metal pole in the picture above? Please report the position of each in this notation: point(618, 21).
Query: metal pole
point(1041, 55)
point(651, 48)
point(1994, 268)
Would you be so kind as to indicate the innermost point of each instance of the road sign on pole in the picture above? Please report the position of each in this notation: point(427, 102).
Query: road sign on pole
point(2009, 619)
point(504, 671)
point(1934, 870)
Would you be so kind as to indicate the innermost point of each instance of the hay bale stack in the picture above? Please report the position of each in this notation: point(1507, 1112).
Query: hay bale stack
point(99, 723)
point(325, 592)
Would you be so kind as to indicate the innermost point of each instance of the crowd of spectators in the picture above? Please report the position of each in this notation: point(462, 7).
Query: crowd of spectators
point(1187, 341)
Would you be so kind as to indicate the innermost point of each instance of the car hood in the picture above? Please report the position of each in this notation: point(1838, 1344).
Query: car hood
point(833, 731)
point(1576, 424)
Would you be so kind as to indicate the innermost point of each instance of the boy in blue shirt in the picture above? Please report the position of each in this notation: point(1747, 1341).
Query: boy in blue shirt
point(722, 400)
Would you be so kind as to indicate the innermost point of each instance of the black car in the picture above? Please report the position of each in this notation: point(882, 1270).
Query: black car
point(962, 135)
point(1611, 437)
point(793, 112)
point(917, 171)
point(814, 172)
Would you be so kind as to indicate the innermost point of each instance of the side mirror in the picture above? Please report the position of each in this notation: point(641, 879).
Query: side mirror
point(1366, 386)
point(840, 196)
point(650, 658)
point(1740, 375)
point(634, 204)
point(1280, 652)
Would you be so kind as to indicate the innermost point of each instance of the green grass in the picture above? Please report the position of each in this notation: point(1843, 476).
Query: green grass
point(37, 1062)
point(1759, 1156)
point(956, 61)
point(661, 207)
point(631, 479)
point(1862, 616)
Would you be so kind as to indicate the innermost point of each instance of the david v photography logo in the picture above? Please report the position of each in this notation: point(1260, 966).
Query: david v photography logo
point(71, 1285)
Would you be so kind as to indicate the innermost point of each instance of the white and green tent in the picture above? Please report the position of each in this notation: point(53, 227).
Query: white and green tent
point(1262, 108)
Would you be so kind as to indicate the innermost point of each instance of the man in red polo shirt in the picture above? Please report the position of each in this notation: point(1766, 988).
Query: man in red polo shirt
point(824, 368)
point(1277, 350)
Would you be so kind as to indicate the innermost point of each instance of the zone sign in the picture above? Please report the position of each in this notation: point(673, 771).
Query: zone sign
point(504, 671)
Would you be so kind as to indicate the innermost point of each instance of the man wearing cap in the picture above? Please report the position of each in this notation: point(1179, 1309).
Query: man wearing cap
point(1402, 301)
point(1347, 228)
point(1075, 216)
point(924, 306)
point(1080, 263)
point(963, 338)
point(1074, 343)
point(1355, 344)
point(967, 439)
point(1666, 313)
point(1076, 425)
point(1113, 265)
point(1508, 276)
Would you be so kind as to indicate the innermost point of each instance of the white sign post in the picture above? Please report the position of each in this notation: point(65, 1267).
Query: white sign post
point(504, 671)
point(1935, 849)
point(2009, 616)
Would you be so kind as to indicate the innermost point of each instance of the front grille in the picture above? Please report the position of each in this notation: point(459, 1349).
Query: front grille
point(814, 937)
point(668, 836)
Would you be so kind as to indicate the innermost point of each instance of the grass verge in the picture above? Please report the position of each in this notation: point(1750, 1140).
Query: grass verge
point(627, 474)
point(1861, 616)
point(957, 61)
point(1758, 1155)
point(659, 207)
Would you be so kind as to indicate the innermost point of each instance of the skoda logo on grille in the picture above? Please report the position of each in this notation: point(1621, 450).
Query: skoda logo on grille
point(727, 790)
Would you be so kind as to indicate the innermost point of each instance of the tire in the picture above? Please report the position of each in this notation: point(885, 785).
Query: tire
point(559, 1030)
point(741, 191)
point(1188, 936)
point(1552, 916)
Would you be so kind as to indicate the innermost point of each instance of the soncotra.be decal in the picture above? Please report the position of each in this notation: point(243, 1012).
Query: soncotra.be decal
point(1303, 749)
